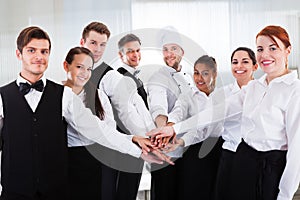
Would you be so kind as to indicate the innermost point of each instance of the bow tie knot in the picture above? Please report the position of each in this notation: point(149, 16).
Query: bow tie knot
point(25, 87)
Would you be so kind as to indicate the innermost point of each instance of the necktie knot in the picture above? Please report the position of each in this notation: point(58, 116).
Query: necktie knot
point(25, 87)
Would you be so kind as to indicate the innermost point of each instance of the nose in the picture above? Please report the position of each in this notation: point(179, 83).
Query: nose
point(38, 55)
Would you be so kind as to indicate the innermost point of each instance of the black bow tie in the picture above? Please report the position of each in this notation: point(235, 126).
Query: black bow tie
point(25, 87)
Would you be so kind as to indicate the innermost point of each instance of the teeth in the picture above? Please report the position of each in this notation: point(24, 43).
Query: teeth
point(239, 71)
point(81, 78)
point(267, 62)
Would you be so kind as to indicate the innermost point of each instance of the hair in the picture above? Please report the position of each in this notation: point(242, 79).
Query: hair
point(128, 38)
point(211, 63)
point(78, 50)
point(275, 31)
point(249, 51)
point(207, 60)
point(278, 32)
point(92, 96)
point(95, 26)
point(29, 33)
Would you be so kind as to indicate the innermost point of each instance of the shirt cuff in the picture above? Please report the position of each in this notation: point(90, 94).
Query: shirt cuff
point(156, 113)
point(133, 149)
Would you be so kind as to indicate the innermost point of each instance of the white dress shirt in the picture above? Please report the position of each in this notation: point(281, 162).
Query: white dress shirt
point(81, 119)
point(164, 87)
point(188, 105)
point(270, 121)
point(128, 104)
point(232, 127)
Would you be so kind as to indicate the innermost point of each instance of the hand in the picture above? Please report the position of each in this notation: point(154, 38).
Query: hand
point(162, 156)
point(173, 146)
point(144, 143)
point(161, 136)
point(156, 157)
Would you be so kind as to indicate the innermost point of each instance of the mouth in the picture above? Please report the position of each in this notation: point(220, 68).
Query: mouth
point(81, 78)
point(266, 62)
point(200, 83)
point(240, 71)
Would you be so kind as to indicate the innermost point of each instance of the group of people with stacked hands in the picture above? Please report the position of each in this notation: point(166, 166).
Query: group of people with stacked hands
point(88, 137)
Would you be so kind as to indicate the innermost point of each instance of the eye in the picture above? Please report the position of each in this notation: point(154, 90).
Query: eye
point(273, 48)
point(103, 45)
point(173, 48)
point(90, 69)
point(45, 52)
point(259, 49)
point(93, 43)
point(234, 62)
point(204, 73)
point(196, 73)
point(30, 50)
point(246, 62)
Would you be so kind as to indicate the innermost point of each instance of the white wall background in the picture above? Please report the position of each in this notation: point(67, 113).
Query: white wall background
point(218, 26)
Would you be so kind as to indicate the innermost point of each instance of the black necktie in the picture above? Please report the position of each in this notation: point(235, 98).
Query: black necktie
point(25, 87)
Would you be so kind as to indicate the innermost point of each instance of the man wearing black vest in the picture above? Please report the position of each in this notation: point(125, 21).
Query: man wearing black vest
point(130, 55)
point(131, 115)
point(34, 112)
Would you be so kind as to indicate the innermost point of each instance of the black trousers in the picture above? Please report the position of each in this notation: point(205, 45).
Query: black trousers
point(166, 182)
point(90, 175)
point(129, 177)
point(58, 195)
point(249, 174)
point(199, 174)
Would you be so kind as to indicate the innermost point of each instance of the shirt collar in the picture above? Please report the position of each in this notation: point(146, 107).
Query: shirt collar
point(235, 87)
point(288, 78)
point(130, 69)
point(20, 79)
point(196, 91)
point(172, 70)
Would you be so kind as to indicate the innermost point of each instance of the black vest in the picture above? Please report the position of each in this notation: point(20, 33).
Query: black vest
point(99, 72)
point(34, 151)
point(139, 84)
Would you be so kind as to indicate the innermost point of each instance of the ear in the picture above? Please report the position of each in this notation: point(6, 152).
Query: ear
point(66, 66)
point(121, 55)
point(288, 49)
point(82, 42)
point(254, 68)
point(215, 75)
point(18, 54)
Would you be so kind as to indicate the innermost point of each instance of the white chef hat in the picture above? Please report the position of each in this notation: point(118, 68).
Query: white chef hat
point(169, 35)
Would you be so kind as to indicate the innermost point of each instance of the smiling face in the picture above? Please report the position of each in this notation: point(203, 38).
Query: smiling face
point(78, 71)
point(204, 78)
point(172, 55)
point(131, 54)
point(34, 57)
point(242, 67)
point(272, 57)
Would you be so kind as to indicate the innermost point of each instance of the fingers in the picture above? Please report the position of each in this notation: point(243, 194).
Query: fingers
point(151, 159)
point(163, 157)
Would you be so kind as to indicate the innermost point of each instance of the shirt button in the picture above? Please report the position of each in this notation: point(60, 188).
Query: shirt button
point(34, 119)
